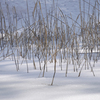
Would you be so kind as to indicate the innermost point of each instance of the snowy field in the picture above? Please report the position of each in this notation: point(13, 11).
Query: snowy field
point(32, 86)
point(28, 86)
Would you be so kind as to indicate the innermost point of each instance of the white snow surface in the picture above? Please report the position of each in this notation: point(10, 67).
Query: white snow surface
point(29, 86)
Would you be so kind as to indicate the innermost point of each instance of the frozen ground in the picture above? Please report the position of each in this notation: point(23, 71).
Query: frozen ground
point(28, 86)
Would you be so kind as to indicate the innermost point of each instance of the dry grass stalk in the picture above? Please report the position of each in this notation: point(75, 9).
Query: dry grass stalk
point(50, 36)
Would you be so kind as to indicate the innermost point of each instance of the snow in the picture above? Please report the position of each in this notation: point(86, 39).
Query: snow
point(29, 86)
point(1, 35)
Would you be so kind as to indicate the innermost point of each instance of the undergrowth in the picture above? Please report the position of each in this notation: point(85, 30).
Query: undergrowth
point(50, 36)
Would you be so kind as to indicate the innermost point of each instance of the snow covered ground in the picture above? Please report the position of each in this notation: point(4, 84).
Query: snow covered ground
point(29, 86)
